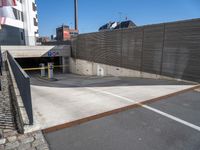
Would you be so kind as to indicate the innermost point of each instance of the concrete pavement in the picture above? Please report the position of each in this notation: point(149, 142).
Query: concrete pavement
point(74, 97)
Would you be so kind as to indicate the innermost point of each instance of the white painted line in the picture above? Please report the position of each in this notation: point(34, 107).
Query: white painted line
point(150, 108)
point(114, 95)
point(172, 117)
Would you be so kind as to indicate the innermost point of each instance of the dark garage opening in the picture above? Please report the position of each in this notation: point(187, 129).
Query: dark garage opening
point(35, 63)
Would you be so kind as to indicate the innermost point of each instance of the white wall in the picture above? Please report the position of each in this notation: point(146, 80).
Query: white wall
point(29, 27)
point(83, 67)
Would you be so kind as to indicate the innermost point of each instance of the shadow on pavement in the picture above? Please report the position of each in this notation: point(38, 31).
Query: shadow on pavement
point(71, 80)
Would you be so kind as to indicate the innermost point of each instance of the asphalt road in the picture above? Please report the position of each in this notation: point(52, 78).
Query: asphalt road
point(138, 129)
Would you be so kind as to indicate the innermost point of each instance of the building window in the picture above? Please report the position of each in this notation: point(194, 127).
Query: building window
point(19, 1)
point(22, 36)
point(22, 16)
point(37, 32)
point(35, 22)
point(18, 14)
point(34, 7)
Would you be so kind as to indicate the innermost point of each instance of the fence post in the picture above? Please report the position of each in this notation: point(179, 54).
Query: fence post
point(141, 65)
point(162, 52)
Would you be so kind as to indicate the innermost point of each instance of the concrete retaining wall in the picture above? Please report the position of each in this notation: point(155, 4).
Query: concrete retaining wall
point(83, 67)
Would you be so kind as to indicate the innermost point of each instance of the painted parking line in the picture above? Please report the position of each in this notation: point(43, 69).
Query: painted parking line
point(150, 108)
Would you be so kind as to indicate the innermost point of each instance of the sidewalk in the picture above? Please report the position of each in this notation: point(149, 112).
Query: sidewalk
point(31, 141)
point(6, 116)
point(9, 137)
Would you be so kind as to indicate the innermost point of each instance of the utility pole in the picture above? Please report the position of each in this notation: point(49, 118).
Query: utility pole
point(76, 14)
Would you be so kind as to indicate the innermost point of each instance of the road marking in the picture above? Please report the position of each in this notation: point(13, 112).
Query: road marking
point(150, 108)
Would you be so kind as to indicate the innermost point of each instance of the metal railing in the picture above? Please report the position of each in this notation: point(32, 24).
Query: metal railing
point(23, 84)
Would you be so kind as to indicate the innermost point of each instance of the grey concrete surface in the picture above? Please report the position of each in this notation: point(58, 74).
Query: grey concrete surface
point(84, 67)
point(185, 106)
point(74, 97)
point(136, 129)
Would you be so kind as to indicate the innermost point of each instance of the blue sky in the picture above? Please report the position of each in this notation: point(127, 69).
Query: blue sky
point(94, 13)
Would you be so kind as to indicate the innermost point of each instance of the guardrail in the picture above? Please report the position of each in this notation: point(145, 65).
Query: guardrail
point(23, 84)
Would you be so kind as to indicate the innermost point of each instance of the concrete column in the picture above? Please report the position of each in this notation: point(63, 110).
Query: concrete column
point(42, 69)
point(65, 63)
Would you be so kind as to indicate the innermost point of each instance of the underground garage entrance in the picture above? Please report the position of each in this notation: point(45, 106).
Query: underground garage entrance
point(33, 65)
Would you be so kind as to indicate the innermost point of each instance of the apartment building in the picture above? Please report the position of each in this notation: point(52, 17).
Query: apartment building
point(18, 22)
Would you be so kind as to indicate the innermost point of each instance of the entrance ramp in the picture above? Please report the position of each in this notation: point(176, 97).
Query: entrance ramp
point(74, 99)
